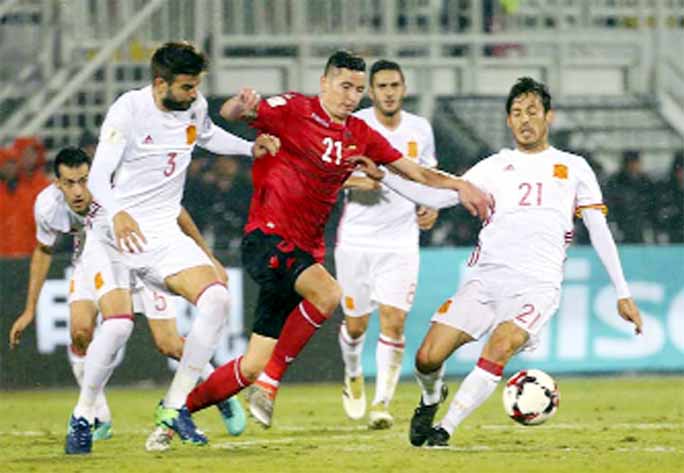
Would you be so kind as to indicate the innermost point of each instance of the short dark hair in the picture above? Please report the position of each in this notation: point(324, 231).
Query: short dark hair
point(174, 58)
point(70, 157)
point(385, 65)
point(345, 60)
point(527, 85)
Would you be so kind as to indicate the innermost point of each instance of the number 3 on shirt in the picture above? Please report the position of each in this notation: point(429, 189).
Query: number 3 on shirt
point(330, 146)
point(528, 198)
point(170, 164)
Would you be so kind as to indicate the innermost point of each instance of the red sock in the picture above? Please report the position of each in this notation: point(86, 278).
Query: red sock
point(300, 326)
point(224, 382)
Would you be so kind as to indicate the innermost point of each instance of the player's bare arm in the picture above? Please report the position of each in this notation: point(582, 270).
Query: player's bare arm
point(188, 226)
point(243, 106)
point(40, 264)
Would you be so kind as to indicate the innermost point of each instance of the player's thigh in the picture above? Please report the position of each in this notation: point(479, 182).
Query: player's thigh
point(505, 341)
point(166, 338)
point(317, 285)
point(394, 279)
point(438, 345)
point(353, 274)
point(190, 283)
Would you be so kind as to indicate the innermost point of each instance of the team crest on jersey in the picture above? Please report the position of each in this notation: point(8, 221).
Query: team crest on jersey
point(190, 134)
point(560, 171)
point(444, 307)
point(99, 281)
point(412, 149)
point(349, 303)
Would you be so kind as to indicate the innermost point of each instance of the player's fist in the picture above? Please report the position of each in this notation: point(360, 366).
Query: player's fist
point(629, 311)
point(127, 233)
point(473, 199)
point(265, 144)
point(426, 217)
point(368, 167)
point(241, 106)
point(23, 321)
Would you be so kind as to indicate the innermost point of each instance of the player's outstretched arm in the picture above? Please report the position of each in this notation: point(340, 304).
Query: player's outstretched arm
point(41, 259)
point(472, 198)
point(604, 245)
point(188, 226)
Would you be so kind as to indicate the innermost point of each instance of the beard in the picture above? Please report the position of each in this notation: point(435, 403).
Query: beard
point(170, 103)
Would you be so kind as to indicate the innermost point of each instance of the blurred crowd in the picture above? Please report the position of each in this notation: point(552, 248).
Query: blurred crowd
point(641, 209)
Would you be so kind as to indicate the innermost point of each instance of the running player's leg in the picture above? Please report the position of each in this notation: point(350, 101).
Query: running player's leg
point(520, 320)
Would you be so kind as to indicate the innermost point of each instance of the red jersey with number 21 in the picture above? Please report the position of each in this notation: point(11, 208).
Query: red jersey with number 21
point(295, 190)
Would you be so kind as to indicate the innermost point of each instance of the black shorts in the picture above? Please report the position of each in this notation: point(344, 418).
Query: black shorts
point(274, 264)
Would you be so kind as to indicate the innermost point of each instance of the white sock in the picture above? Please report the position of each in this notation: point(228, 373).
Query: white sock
point(207, 371)
point(352, 348)
point(388, 356)
point(474, 390)
point(431, 385)
point(77, 363)
point(100, 363)
point(266, 379)
point(213, 306)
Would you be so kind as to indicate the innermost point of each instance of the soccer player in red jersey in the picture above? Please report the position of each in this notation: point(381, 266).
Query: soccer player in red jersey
point(294, 193)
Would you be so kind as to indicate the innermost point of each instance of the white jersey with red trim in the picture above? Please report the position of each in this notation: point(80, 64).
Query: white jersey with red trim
point(53, 216)
point(535, 198)
point(148, 182)
point(384, 220)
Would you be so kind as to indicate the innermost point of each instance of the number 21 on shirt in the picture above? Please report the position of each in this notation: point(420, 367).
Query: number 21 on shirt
point(333, 151)
point(531, 194)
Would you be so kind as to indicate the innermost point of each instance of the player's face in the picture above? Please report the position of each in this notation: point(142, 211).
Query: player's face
point(73, 184)
point(341, 92)
point(529, 123)
point(387, 92)
point(181, 93)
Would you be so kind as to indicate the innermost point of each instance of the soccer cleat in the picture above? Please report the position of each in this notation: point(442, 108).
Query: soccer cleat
point(354, 397)
point(379, 417)
point(180, 421)
point(233, 415)
point(102, 430)
point(423, 416)
point(438, 437)
point(159, 440)
point(79, 439)
point(261, 399)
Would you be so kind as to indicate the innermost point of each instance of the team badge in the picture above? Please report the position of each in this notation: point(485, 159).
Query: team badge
point(99, 281)
point(349, 303)
point(190, 134)
point(412, 149)
point(560, 171)
point(444, 307)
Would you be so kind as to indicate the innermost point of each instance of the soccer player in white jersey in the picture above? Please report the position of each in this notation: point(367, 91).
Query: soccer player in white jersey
point(376, 256)
point(137, 180)
point(513, 287)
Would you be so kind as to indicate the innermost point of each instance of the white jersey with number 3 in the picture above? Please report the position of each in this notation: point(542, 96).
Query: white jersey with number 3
point(535, 198)
point(385, 220)
point(148, 182)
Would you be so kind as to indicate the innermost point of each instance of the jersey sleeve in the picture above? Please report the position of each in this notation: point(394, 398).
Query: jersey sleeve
point(45, 234)
point(588, 194)
point(427, 157)
point(273, 113)
point(479, 175)
point(117, 126)
point(378, 148)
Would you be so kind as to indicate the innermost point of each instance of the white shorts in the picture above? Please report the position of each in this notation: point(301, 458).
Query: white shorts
point(478, 307)
point(98, 275)
point(80, 285)
point(370, 278)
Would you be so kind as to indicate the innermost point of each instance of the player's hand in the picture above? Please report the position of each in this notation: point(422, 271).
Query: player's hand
point(368, 167)
point(127, 233)
point(23, 321)
point(426, 217)
point(241, 105)
point(220, 270)
point(265, 144)
point(361, 183)
point(629, 311)
point(473, 199)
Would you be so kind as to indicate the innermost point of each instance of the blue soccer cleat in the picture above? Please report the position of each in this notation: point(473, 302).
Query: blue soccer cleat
point(102, 430)
point(233, 415)
point(180, 421)
point(79, 439)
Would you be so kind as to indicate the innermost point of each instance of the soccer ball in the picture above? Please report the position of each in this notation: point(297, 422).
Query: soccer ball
point(531, 397)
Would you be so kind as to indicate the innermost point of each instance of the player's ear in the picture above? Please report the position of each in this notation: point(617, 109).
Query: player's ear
point(158, 83)
point(508, 121)
point(324, 83)
point(550, 117)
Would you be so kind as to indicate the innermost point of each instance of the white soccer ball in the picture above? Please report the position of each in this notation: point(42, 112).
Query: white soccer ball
point(531, 397)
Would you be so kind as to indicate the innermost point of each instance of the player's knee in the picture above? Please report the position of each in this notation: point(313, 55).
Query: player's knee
point(169, 346)
point(426, 361)
point(357, 327)
point(216, 296)
point(81, 338)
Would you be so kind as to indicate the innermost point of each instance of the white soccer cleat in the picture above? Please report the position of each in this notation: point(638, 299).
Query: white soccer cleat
point(354, 397)
point(159, 440)
point(379, 417)
point(260, 401)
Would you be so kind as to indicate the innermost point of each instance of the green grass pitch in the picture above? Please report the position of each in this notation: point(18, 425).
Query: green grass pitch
point(626, 424)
